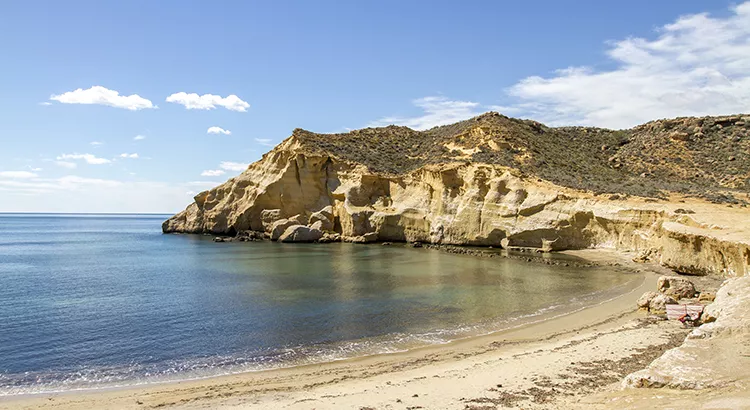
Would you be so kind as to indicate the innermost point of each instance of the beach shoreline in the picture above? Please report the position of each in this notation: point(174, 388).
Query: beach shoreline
point(286, 386)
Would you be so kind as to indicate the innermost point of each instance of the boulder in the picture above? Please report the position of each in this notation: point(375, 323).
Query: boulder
point(326, 212)
point(300, 233)
point(709, 356)
point(330, 237)
point(366, 238)
point(644, 302)
point(707, 297)
point(323, 219)
point(646, 255)
point(268, 217)
point(249, 236)
point(278, 227)
point(370, 237)
point(660, 301)
point(675, 287)
point(321, 226)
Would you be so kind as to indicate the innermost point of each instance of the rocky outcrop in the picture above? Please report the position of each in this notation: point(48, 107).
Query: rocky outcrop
point(713, 355)
point(323, 219)
point(655, 302)
point(448, 200)
point(676, 287)
point(300, 233)
point(278, 227)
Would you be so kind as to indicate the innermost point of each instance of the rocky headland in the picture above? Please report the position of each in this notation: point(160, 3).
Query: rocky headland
point(662, 188)
point(670, 193)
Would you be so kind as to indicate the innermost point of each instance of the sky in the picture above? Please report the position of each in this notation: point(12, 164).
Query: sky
point(136, 106)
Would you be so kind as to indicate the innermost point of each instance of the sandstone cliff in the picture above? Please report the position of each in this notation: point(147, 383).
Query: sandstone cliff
point(494, 180)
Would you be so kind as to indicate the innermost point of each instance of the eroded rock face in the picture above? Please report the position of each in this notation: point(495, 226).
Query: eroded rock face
point(458, 203)
point(676, 287)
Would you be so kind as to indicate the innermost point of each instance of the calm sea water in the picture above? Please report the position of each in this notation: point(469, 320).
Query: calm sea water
point(95, 301)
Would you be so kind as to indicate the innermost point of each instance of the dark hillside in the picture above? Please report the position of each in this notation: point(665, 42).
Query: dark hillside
point(699, 156)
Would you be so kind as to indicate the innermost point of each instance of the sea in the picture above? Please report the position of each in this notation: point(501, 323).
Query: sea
point(102, 301)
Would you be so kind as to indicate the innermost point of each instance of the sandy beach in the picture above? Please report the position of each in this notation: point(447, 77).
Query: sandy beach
point(574, 360)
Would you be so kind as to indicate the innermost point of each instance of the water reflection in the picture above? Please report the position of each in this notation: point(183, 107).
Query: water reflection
point(113, 299)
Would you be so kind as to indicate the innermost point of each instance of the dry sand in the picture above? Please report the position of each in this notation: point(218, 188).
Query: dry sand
point(576, 360)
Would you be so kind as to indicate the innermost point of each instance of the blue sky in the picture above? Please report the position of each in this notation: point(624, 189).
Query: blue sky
point(261, 69)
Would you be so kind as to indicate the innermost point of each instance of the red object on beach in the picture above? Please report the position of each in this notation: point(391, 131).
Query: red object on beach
point(680, 311)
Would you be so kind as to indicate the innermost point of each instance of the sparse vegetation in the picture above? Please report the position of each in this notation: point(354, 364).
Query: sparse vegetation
point(707, 157)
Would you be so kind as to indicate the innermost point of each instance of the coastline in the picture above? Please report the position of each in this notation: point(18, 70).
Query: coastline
point(284, 388)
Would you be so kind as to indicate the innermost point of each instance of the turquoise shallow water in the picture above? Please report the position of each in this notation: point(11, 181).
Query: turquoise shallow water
point(96, 301)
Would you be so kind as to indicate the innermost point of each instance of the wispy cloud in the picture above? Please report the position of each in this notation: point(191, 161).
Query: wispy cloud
point(42, 185)
point(218, 130)
point(89, 158)
point(103, 96)
point(194, 101)
point(436, 110)
point(35, 169)
point(233, 166)
point(45, 103)
point(139, 138)
point(212, 173)
point(72, 193)
point(697, 65)
point(264, 141)
point(130, 156)
point(17, 174)
point(66, 164)
point(96, 143)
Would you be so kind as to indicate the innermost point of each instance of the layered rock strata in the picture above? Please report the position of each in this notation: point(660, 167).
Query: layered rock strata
point(455, 199)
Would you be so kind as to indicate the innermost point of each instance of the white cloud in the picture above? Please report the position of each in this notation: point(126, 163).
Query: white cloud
point(75, 182)
point(89, 158)
point(194, 101)
point(77, 194)
point(32, 184)
point(103, 96)
point(437, 110)
point(66, 164)
point(131, 156)
point(45, 103)
point(95, 143)
point(233, 166)
point(698, 65)
point(35, 169)
point(212, 173)
point(264, 141)
point(139, 138)
point(17, 174)
point(218, 130)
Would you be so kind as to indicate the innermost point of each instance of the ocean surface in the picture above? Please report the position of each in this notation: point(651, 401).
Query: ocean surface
point(90, 301)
